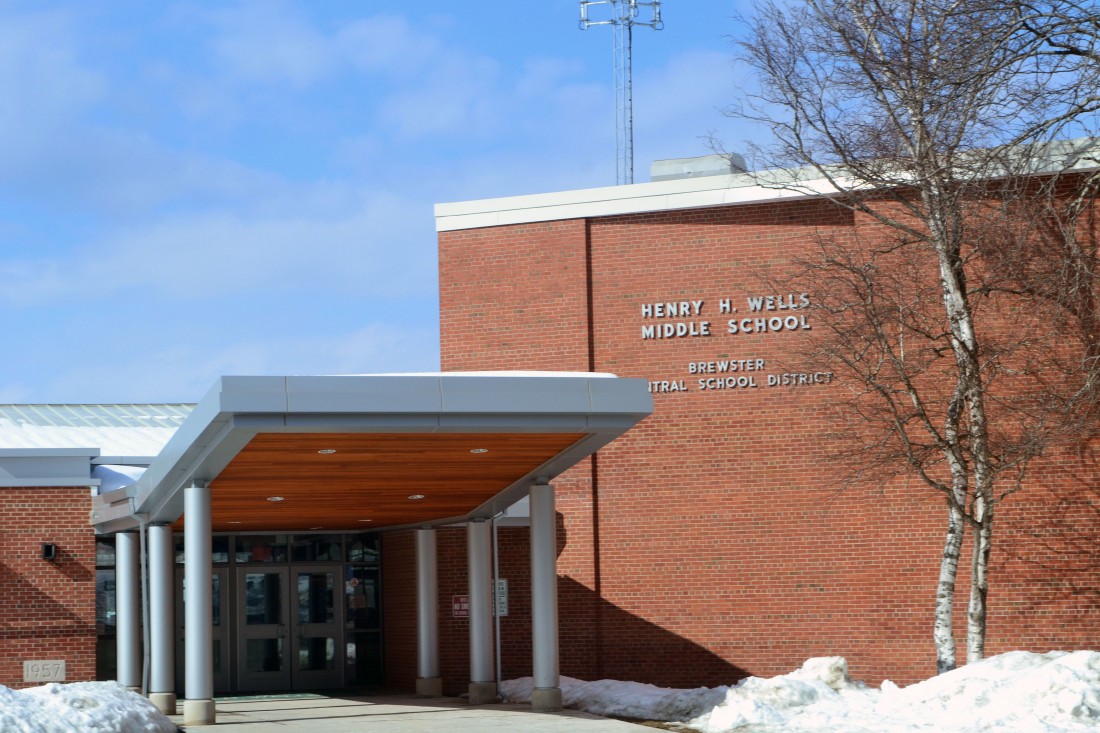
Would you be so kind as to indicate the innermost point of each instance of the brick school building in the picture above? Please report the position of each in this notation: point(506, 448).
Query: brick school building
point(716, 539)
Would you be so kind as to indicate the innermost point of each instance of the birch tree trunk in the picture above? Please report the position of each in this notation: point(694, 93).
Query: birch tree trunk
point(944, 632)
point(979, 582)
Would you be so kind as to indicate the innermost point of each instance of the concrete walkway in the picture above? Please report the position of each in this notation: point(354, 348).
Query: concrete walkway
point(395, 714)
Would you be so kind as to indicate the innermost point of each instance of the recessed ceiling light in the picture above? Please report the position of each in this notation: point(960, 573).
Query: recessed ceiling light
point(316, 527)
point(366, 520)
point(274, 498)
point(415, 497)
point(326, 451)
point(479, 450)
point(231, 522)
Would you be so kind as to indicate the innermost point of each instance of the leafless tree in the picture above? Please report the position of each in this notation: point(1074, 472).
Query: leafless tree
point(937, 123)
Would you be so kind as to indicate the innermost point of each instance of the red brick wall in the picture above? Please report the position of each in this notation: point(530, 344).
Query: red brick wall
point(399, 597)
point(532, 298)
point(715, 541)
point(47, 608)
point(399, 610)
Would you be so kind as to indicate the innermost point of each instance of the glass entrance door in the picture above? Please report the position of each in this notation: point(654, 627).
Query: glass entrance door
point(316, 643)
point(289, 629)
point(262, 635)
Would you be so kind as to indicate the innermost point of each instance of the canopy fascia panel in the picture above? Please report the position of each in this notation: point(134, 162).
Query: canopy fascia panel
point(252, 435)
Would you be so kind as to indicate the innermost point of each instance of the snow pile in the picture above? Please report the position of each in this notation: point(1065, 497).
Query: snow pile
point(79, 707)
point(623, 699)
point(818, 696)
point(1018, 692)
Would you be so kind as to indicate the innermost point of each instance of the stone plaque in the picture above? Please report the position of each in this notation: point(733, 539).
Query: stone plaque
point(52, 670)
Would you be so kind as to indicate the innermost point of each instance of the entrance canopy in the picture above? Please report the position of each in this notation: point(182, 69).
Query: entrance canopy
point(360, 452)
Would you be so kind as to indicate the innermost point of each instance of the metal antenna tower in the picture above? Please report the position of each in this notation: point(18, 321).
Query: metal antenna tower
point(624, 16)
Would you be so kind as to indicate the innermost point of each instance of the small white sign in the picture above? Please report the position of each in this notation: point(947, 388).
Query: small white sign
point(44, 671)
point(501, 597)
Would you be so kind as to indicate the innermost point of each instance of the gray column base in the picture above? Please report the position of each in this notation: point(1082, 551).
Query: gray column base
point(482, 693)
point(164, 702)
point(429, 687)
point(546, 699)
point(198, 712)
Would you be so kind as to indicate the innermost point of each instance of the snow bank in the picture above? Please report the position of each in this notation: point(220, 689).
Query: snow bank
point(623, 699)
point(1018, 692)
point(79, 707)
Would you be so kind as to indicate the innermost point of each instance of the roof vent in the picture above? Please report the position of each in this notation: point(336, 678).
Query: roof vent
point(706, 165)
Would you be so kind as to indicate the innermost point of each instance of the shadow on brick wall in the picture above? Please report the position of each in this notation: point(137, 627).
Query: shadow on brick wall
point(634, 649)
point(1057, 557)
point(597, 639)
point(28, 607)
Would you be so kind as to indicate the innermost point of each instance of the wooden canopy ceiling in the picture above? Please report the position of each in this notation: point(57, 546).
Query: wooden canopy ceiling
point(345, 453)
point(357, 481)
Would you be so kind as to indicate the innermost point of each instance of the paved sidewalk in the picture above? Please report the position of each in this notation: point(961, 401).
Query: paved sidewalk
point(395, 714)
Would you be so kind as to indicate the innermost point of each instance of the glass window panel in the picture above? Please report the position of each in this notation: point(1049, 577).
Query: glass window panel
point(263, 598)
point(361, 597)
point(264, 655)
point(105, 552)
point(315, 598)
point(364, 547)
point(316, 653)
point(262, 548)
point(219, 549)
point(217, 655)
point(216, 599)
point(105, 601)
point(318, 547)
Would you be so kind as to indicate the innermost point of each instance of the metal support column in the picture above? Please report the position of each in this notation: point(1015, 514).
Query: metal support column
point(546, 696)
point(162, 647)
point(428, 681)
point(198, 707)
point(128, 609)
point(483, 687)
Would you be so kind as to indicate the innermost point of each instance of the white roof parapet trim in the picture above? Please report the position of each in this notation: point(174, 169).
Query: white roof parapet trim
point(707, 191)
point(638, 198)
point(42, 467)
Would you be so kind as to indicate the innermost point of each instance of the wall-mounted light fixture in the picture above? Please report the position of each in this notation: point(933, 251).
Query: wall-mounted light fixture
point(49, 551)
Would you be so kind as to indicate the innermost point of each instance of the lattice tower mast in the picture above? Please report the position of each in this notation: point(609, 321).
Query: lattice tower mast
point(624, 16)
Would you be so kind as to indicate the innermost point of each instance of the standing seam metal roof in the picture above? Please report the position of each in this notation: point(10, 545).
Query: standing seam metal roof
point(134, 431)
point(136, 415)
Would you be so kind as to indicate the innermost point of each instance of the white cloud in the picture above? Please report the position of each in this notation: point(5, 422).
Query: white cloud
point(329, 242)
point(680, 106)
point(43, 83)
point(271, 43)
point(185, 371)
point(387, 44)
point(459, 97)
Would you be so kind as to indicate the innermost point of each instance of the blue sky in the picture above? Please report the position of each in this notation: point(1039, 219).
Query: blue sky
point(194, 189)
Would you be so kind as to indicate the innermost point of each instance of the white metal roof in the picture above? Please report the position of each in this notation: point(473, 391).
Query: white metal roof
point(116, 430)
